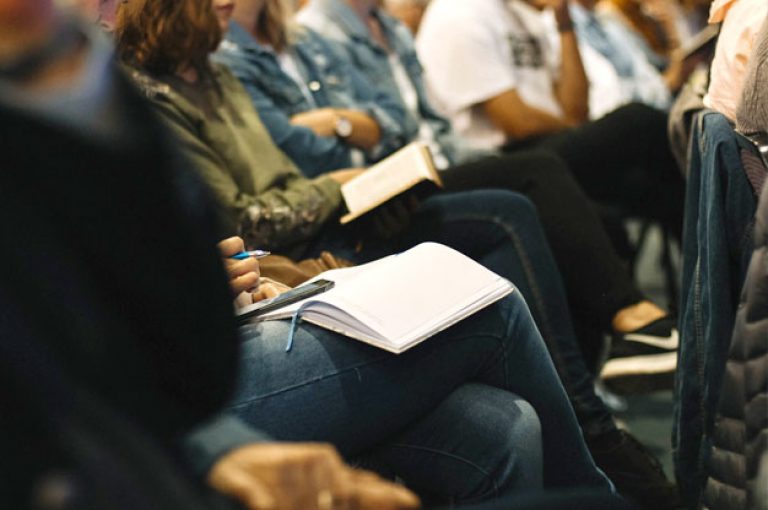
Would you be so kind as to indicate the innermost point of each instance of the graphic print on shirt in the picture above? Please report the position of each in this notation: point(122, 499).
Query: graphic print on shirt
point(526, 51)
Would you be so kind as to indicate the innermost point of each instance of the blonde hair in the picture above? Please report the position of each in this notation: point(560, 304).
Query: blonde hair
point(275, 24)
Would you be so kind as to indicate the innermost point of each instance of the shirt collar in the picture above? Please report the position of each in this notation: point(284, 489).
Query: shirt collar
point(343, 14)
point(237, 38)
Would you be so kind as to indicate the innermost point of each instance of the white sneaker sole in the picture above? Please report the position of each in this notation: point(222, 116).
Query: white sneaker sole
point(640, 365)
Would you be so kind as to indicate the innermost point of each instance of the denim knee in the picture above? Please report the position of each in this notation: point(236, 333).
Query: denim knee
point(505, 433)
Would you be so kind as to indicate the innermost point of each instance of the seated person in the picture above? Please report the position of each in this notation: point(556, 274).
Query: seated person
point(740, 23)
point(629, 75)
point(655, 21)
point(260, 193)
point(511, 89)
point(105, 365)
point(752, 112)
point(302, 120)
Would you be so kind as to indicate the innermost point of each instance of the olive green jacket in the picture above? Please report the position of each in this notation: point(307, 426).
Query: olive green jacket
point(262, 195)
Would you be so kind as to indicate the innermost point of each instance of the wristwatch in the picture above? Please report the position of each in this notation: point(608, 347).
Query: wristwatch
point(343, 127)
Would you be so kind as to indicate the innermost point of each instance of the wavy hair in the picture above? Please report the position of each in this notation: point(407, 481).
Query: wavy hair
point(163, 36)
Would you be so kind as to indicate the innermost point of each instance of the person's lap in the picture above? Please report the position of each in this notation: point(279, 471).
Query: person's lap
point(499, 229)
point(334, 389)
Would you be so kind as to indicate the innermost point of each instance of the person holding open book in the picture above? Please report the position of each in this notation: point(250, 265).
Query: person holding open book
point(300, 83)
point(362, 399)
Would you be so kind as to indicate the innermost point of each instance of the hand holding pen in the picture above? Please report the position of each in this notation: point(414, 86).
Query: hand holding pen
point(242, 266)
point(248, 254)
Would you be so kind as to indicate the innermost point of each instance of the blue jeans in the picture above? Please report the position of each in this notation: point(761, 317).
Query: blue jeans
point(501, 230)
point(444, 416)
point(717, 245)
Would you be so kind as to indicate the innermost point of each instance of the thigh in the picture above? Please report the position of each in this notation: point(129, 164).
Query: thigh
point(334, 389)
point(480, 442)
point(621, 155)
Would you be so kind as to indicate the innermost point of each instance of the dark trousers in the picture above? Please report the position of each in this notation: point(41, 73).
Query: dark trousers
point(623, 160)
point(597, 283)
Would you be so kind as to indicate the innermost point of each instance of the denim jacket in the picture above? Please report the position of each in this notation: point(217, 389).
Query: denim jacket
point(337, 21)
point(332, 83)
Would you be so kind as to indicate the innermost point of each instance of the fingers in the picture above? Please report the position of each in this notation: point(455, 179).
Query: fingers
point(269, 289)
point(243, 274)
point(244, 487)
point(362, 490)
point(303, 476)
point(231, 246)
point(392, 218)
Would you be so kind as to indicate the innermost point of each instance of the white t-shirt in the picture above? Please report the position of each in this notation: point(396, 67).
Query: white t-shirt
point(475, 50)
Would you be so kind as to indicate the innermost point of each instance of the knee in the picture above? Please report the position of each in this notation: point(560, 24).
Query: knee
point(640, 115)
point(506, 432)
point(510, 204)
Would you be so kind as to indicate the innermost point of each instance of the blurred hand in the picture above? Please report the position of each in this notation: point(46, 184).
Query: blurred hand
point(322, 121)
point(243, 274)
point(393, 217)
point(275, 476)
point(269, 288)
point(346, 175)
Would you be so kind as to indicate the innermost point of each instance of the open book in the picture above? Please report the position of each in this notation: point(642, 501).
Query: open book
point(399, 301)
point(388, 178)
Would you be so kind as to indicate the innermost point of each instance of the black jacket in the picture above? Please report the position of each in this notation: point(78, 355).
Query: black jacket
point(114, 306)
point(741, 430)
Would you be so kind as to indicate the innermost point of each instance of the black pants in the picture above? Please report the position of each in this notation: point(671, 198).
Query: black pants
point(623, 160)
point(596, 280)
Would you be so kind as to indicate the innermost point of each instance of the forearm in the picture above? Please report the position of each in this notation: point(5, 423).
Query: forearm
point(572, 89)
point(282, 217)
point(366, 132)
point(519, 121)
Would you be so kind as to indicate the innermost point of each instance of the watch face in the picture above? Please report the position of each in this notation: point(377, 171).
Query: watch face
point(343, 127)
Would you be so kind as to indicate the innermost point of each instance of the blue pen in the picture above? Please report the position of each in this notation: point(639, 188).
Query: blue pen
point(247, 254)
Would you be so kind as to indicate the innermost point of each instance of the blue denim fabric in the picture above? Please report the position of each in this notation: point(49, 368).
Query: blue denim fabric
point(335, 20)
point(501, 230)
point(443, 415)
point(717, 243)
point(332, 82)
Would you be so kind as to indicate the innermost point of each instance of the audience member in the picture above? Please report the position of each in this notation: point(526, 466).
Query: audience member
point(656, 21)
point(272, 389)
point(512, 89)
point(631, 77)
point(105, 368)
point(740, 23)
point(752, 112)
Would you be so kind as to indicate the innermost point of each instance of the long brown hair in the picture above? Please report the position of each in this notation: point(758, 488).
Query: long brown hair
point(163, 36)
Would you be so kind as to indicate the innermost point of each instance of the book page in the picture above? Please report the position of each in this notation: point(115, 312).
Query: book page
point(413, 288)
point(396, 302)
